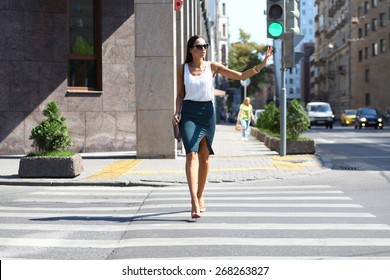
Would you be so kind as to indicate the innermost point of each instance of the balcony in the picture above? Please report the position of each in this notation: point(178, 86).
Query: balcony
point(342, 69)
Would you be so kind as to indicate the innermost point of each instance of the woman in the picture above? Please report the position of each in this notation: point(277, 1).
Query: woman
point(245, 116)
point(195, 112)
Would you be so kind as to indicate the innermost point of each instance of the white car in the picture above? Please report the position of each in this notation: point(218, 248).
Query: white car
point(320, 113)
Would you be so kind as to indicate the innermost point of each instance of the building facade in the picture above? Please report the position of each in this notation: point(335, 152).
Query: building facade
point(370, 55)
point(351, 54)
point(110, 65)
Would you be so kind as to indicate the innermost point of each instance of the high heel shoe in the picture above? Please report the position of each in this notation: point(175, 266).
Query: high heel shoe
point(202, 207)
point(195, 213)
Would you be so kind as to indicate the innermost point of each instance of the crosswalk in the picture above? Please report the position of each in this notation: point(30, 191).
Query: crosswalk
point(241, 222)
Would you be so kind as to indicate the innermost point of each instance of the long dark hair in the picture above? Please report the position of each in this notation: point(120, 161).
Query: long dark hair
point(190, 44)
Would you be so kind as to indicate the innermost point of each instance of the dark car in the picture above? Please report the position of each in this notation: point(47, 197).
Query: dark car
point(368, 117)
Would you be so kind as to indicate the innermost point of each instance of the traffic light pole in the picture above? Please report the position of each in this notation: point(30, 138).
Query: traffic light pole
point(283, 110)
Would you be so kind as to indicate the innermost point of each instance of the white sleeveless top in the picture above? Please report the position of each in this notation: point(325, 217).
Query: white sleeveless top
point(199, 88)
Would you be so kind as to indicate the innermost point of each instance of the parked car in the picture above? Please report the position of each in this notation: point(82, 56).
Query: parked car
point(320, 113)
point(368, 117)
point(348, 117)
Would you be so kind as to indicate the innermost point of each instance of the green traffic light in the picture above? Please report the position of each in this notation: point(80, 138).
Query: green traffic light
point(275, 29)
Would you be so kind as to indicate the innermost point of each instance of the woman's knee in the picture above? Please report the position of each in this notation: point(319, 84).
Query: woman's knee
point(192, 156)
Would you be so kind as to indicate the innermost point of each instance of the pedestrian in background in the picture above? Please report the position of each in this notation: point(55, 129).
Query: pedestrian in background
point(195, 113)
point(245, 116)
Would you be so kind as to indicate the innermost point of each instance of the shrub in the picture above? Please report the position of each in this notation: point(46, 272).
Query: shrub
point(297, 120)
point(51, 135)
point(270, 118)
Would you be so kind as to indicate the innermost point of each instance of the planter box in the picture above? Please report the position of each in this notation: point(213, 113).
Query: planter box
point(294, 147)
point(51, 167)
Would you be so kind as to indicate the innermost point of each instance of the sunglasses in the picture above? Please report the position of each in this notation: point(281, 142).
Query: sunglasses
point(200, 47)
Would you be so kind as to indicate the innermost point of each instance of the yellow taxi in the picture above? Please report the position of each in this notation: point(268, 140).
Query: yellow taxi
point(348, 117)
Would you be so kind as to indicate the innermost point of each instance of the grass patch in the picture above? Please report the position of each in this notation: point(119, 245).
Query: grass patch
point(51, 154)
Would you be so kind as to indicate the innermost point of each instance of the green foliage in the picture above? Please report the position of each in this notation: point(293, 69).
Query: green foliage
point(244, 55)
point(270, 118)
point(81, 46)
point(297, 120)
point(51, 135)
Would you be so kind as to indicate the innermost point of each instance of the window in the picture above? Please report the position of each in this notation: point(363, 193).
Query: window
point(374, 3)
point(366, 6)
point(360, 12)
point(374, 49)
point(224, 30)
point(360, 33)
point(368, 99)
point(382, 19)
point(224, 9)
point(366, 53)
point(84, 50)
point(360, 56)
point(374, 24)
point(366, 28)
point(367, 75)
point(383, 45)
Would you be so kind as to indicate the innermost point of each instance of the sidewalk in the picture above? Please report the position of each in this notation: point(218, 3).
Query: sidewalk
point(235, 160)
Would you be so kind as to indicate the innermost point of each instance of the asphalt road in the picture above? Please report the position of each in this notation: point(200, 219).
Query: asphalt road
point(354, 149)
point(340, 214)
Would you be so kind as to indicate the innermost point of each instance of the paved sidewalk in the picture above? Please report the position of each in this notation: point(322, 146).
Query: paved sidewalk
point(235, 160)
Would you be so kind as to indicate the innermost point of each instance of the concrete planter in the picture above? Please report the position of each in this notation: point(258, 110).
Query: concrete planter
point(51, 167)
point(294, 147)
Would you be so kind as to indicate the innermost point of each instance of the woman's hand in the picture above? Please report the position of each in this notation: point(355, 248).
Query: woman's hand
point(268, 53)
point(176, 119)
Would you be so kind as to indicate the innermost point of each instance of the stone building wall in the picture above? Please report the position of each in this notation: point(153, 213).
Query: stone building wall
point(33, 72)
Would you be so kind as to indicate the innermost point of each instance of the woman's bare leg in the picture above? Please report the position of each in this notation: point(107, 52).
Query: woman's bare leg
point(204, 168)
point(191, 173)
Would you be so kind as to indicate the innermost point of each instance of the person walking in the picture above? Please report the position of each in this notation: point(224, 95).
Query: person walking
point(195, 113)
point(245, 116)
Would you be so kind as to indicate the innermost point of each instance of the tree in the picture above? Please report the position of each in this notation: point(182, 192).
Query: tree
point(244, 55)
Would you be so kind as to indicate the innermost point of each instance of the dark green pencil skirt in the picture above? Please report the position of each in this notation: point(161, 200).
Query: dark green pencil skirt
point(197, 122)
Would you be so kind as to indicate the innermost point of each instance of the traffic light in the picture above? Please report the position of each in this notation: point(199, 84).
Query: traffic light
point(292, 16)
point(275, 18)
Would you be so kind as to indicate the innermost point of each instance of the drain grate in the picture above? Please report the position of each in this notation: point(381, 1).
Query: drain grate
point(347, 168)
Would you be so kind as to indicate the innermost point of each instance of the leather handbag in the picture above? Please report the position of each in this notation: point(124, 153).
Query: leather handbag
point(176, 132)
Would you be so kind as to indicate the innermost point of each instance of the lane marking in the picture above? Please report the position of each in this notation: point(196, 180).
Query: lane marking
point(196, 241)
point(184, 214)
point(192, 226)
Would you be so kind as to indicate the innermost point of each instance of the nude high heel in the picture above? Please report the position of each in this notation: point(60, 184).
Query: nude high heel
point(195, 213)
point(202, 207)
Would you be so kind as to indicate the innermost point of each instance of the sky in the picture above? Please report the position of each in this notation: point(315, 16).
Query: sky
point(248, 15)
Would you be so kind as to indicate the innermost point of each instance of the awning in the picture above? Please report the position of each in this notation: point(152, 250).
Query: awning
point(218, 92)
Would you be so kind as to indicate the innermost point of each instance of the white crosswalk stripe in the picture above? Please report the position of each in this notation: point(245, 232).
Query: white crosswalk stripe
point(241, 222)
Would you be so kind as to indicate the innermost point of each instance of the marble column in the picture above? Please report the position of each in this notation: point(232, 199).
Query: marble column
point(155, 77)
